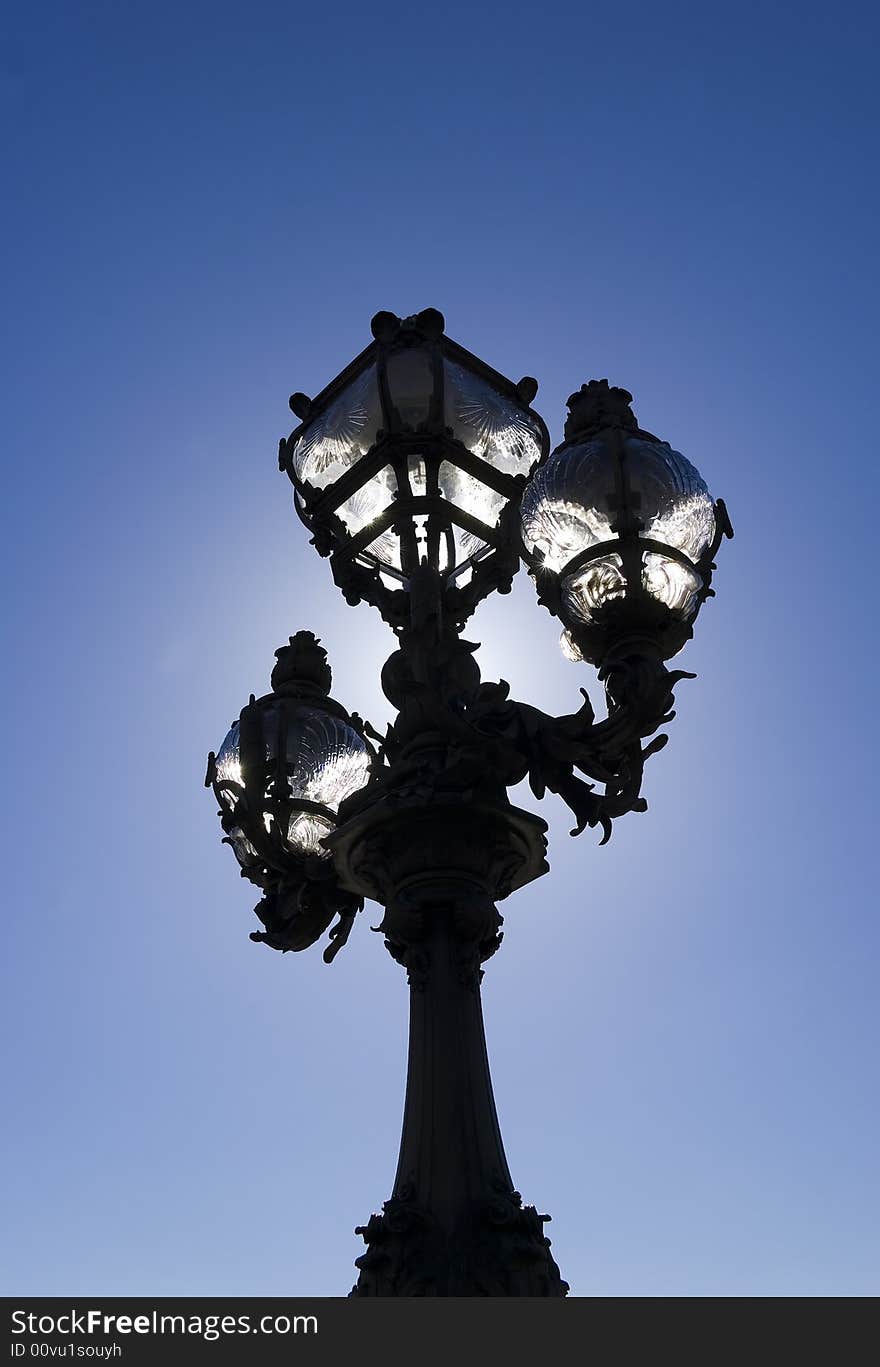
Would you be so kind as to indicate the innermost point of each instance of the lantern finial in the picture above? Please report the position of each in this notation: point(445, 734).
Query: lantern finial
point(302, 666)
point(597, 406)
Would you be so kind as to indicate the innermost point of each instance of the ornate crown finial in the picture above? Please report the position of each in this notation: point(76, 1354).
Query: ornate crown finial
point(387, 327)
point(302, 664)
point(597, 405)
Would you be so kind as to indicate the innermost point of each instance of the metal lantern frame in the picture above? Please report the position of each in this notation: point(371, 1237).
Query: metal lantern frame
point(601, 413)
point(360, 575)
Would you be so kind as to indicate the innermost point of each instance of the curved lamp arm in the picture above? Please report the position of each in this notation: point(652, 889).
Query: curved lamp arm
point(484, 741)
point(640, 694)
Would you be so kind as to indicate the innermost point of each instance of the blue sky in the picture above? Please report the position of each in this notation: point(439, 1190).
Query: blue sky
point(205, 204)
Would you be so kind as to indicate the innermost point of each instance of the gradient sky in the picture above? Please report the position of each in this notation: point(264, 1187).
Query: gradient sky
point(204, 206)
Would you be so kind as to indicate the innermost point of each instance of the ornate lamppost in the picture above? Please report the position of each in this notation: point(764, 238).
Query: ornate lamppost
point(425, 477)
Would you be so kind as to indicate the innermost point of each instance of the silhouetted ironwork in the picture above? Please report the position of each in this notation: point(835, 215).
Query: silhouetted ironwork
point(322, 811)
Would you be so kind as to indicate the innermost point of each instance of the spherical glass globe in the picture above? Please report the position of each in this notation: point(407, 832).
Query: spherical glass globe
point(325, 761)
point(574, 502)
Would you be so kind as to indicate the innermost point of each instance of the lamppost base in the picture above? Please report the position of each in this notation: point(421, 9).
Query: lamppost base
point(500, 1251)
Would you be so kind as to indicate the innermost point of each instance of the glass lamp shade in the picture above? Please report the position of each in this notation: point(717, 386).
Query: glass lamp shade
point(413, 454)
point(581, 500)
point(341, 435)
point(280, 775)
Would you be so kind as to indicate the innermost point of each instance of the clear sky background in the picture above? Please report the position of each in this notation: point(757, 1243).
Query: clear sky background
point(204, 206)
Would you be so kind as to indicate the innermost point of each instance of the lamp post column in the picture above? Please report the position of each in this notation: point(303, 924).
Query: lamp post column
point(454, 1225)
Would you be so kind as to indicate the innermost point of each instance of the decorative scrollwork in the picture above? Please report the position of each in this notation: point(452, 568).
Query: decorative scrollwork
point(457, 736)
point(297, 909)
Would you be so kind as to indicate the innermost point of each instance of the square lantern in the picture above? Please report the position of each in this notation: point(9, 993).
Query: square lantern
point(416, 453)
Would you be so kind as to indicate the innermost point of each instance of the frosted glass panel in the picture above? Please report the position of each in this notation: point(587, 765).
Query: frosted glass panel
point(326, 758)
point(342, 435)
point(670, 497)
point(227, 768)
point(372, 499)
point(488, 423)
point(671, 583)
point(568, 504)
point(474, 498)
point(592, 586)
point(305, 832)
